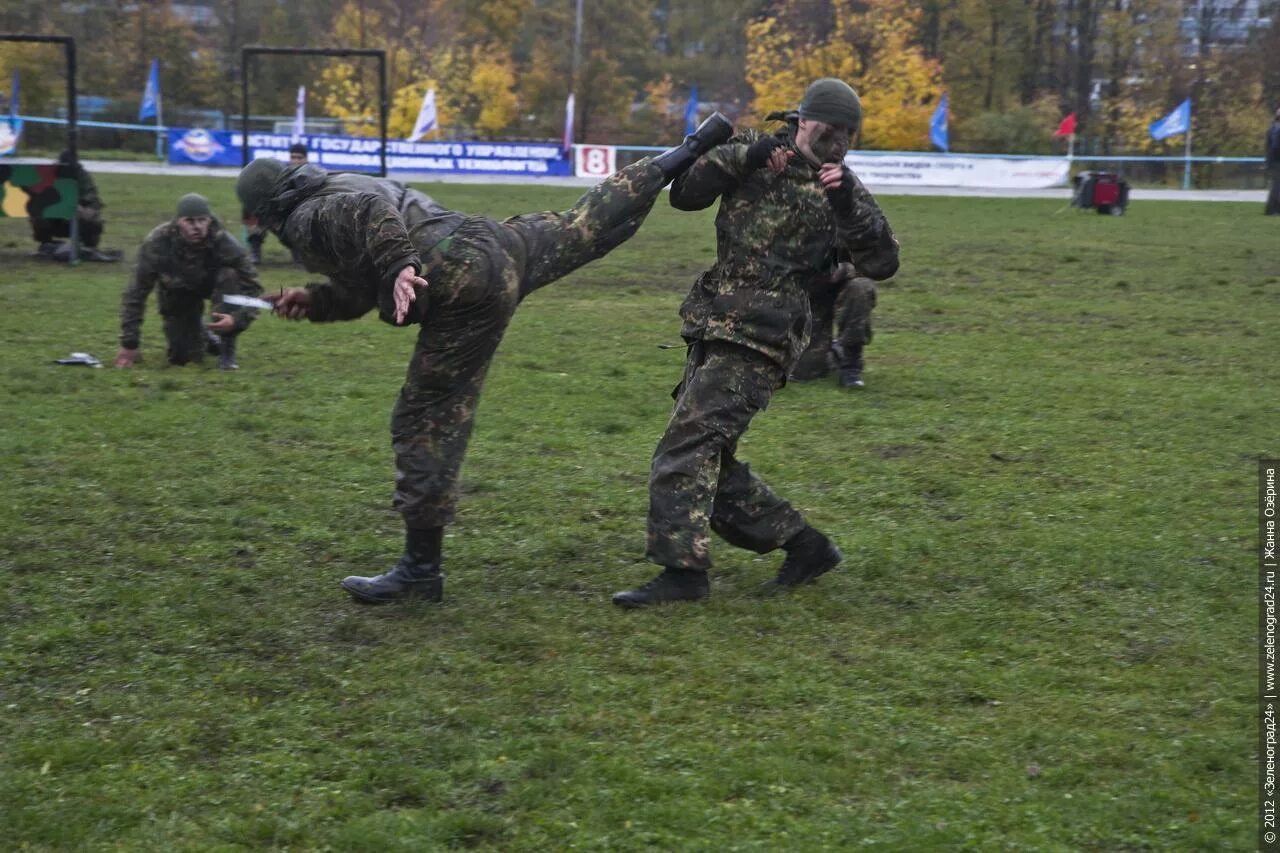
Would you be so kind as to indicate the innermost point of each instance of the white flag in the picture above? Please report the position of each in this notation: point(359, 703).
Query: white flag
point(426, 117)
point(568, 123)
point(300, 116)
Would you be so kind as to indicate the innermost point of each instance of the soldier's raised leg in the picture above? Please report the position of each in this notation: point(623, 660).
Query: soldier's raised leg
point(607, 215)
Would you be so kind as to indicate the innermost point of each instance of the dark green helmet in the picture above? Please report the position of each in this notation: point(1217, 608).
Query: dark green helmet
point(253, 187)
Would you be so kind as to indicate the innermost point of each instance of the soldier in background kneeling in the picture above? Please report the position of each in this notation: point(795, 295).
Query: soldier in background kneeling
point(845, 299)
point(187, 260)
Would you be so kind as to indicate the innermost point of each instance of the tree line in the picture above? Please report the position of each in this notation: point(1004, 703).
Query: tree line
point(502, 68)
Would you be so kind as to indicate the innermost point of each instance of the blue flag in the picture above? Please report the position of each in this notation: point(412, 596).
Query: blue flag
point(938, 126)
point(10, 133)
point(151, 95)
point(691, 111)
point(1178, 121)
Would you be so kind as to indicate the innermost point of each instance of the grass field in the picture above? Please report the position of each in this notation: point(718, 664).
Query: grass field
point(1043, 636)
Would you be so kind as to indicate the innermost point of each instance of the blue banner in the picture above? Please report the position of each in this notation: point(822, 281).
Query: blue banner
point(201, 147)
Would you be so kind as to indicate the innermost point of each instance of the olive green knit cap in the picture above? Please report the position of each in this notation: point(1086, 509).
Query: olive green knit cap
point(193, 205)
point(832, 101)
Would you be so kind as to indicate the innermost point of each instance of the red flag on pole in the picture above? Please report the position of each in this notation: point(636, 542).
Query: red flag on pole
point(1068, 126)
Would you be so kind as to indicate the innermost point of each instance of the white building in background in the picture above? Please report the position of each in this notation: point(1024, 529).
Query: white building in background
point(1208, 24)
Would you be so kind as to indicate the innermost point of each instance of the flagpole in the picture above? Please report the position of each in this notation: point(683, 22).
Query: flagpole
point(159, 124)
point(1186, 171)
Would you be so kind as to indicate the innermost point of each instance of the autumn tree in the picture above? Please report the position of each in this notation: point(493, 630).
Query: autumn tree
point(872, 45)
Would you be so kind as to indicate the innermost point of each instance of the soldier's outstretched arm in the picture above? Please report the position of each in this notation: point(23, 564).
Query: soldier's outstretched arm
point(133, 306)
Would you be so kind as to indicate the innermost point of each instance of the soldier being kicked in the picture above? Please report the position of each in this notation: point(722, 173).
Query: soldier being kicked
point(186, 261)
point(380, 243)
point(787, 204)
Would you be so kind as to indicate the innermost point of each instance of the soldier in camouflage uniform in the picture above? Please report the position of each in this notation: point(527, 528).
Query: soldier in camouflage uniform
point(380, 243)
point(787, 205)
point(188, 260)
point(845, 298)
point(88, 211)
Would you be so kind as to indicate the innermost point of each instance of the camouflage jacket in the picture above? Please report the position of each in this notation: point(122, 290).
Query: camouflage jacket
point(774, 233)
point(360, 232)
point(87, 190)
point(185, 275)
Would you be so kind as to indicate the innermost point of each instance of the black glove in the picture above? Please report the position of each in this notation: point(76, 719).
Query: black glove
point(841, 195)
point(758, 152)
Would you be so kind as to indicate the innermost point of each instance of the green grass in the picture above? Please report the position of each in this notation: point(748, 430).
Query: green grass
point(1043, 636)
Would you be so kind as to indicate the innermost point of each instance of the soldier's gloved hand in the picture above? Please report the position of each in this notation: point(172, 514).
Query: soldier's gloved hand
point(293, 304)
point(838, 184)
point(128, 357)
point(760, 152)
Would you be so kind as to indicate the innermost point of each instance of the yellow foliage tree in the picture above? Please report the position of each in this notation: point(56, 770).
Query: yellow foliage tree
point(491, 87)
point(349, 90)
point(871, 45)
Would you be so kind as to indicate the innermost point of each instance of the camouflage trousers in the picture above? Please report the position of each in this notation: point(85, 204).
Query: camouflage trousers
point(486, 269)
point(846, 302)
point(696, 483)
point(187, 340)
point(91, 227)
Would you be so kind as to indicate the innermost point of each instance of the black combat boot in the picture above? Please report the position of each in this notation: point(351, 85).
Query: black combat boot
point(227, 352)
point(416, 576)
point(809, 555)
point(212, 342)
point(670, 585)
point(849, 362)
point(715, 130)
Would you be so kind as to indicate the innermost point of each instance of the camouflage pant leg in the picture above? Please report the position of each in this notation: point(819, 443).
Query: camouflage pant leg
point(696, 484)
point(469, 304)
point(556, 244)
point(814, 361)
point(184, 333)
point(854, 305)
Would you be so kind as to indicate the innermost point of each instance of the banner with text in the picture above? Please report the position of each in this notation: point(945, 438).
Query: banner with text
point(201, 147)
point(926, 170)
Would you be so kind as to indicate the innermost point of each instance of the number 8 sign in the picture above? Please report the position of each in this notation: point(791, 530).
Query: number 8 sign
point(595, 161)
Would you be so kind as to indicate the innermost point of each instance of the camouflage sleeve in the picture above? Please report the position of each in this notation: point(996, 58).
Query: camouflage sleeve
point(715, 173)
point(236, 274)
point(361, 234)
point(864, 233)
point(133, 304)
